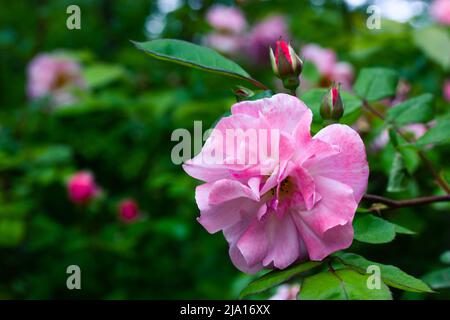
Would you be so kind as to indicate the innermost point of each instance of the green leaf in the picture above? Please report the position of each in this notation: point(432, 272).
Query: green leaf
point(439, 279)
point(398, 174)
point(261, 95)
point(376, 83)
point(410, 158)
point(402, 230)
point(313, 98)
point(439, 134)
point(390, 275)
point(344, 284)
point(102, 74)
point(277, 277)
point(445, 257)
point(435, 43)
point(414, 110)
point(195, 56)
point(310, 73)
point(371, 229)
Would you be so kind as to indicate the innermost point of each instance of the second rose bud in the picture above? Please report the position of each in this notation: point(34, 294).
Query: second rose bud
point(332, 107)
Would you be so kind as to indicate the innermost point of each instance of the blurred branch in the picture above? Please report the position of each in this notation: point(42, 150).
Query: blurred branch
point(395, 204)
point(435, 173)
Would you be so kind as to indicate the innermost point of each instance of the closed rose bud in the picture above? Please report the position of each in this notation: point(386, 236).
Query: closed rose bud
point(332, 107)
point(286, 65)
point(82, 188)
point(128, 210)
point(242, 93)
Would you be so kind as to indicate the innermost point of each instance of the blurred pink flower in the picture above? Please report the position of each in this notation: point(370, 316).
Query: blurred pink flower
point(228, 19)
point(440, 11)
point(286, 292)
point(343, 73)
point(324, 59)
point(226, 43)
point(49, 74)
point(281, 209)
point(328, 66)
point(401, 94)
point(82, 188)
point(446, 90)
point(263, 36)
point(128, 210)
point(415, 129)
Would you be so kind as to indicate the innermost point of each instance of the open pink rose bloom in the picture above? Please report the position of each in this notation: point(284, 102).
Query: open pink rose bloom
point(294, 202)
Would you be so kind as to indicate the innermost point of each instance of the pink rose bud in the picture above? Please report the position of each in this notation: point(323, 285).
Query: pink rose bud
point(82, 188)
point(286, 64)
point(128, 210)
point(332, 107)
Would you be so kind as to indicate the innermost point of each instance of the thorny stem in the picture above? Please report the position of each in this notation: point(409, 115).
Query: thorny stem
point(435, 173)
point(395, 204)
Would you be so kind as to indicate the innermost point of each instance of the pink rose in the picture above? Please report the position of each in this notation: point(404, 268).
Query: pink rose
point(228, 19)
point(324, 59)
point(440, 11)
point(82, 188)
point(286, 292)
point(49, 74)
point(128, 210)
point(296, 201)
point(263, 35)
point(446, 90)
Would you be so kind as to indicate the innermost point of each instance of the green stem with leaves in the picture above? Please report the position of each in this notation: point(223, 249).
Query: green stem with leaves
point(435, 173)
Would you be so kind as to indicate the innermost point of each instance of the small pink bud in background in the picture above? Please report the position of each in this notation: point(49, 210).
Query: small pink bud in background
point(286, 292)
point(440, 11)
point(52, 75)
point(446, 90)
point(128, 210)
point(227, 19)
point(332, 107)
point(242, 93)
point(82, 188)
